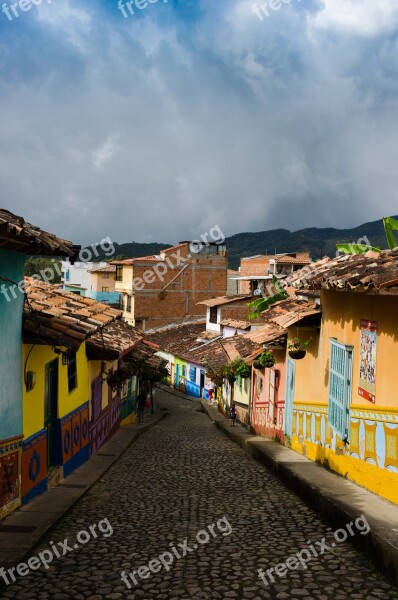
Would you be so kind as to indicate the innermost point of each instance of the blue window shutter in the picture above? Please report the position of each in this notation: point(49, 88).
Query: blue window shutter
point(340, 387)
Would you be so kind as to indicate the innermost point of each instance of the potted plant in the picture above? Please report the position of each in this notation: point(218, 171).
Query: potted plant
point(240, 368)
point(229, 373)
point(297, 348)
point(266, 360)
point(116, 379)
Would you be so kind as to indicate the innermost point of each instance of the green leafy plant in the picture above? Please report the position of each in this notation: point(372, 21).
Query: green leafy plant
point(116, 379)
point(261, 304)
point(228, 373)
point(266, 360)
point(216, 377)
point(240, 368)
point(297, 345)
point(390, 225)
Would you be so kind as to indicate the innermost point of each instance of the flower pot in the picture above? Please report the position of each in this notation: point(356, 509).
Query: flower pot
point(258, 366)
point(269, 364)
point(297, 354)
point(232, 379)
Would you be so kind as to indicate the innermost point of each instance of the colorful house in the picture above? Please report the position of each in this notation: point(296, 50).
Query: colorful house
point(17, 239)
point(57, 382)
point(107, 350)
point(176, 344)
point(270, 390)
point(345, 406)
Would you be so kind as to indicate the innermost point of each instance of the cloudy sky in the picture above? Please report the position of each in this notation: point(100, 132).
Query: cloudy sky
point(192, 113)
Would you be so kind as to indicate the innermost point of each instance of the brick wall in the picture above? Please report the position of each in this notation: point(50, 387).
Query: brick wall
point(173, 296)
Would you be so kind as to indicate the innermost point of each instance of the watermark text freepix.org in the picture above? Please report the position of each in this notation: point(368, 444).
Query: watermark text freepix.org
point(13, 10)
point(304, 556)
point(10, 292)
point(58, 550)
point(166, 559)
point(269, 5)
point(129, 8)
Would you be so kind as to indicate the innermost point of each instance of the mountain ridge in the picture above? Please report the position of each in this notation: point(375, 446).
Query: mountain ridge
point(318, 241)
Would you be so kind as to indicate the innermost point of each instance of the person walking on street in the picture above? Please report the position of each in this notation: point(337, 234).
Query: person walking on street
point(141, 406)
point(232, 414)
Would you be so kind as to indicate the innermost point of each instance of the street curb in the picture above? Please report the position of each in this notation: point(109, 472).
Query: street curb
point(335, 499)
point(16, 557)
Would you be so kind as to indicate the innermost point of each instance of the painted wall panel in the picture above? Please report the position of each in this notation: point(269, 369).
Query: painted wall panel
point(11, 310)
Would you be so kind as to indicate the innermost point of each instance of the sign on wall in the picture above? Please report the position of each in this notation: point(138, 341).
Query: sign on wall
point(367, 372)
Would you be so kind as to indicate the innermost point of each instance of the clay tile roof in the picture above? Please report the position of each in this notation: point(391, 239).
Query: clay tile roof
point(267, 334)
point(221, 300)
point(290, 311)
point(107, 269)
point(241, 346)
point(177, 338)
point(292, 260)
point(212, 356)
point(18, 235)
point(372, 272)
point(114, 340)
point(235, 324)
point(60, 318)
point(143, 351)
point(132, 261)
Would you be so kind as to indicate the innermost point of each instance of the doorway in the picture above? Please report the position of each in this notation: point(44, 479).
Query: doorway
point(51, 410)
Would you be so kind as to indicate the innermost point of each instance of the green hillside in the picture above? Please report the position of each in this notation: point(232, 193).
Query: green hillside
point(318, 242)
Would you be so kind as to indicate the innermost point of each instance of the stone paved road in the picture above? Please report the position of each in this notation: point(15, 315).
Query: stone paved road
point(176, 480)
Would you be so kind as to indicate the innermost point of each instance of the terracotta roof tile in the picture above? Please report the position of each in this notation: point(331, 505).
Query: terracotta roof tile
point(61, 318)
point(371, 272)
point(117, 338)
point(290, 311)
point(221, 300)
point(18, 235)
point(235, 324)
point(178, 338)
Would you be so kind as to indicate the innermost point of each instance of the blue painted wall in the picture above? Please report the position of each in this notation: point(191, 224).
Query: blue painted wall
point(11, 267)
point(107, 297)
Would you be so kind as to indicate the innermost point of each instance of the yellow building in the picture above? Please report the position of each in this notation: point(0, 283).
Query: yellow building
point(57, 382)
point(345, 408)
point(18, 240)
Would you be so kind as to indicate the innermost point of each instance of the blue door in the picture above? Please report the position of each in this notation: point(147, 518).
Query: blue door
point(340, 387)
point(177, 380)
point(290, 376)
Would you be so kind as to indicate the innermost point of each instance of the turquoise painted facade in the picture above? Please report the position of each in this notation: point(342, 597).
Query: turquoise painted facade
point(74, 289)
point(11, 311)
point(106, 297)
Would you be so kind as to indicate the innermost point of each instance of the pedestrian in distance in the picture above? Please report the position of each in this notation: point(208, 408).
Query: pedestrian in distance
point(232, 414)
point(141, 406)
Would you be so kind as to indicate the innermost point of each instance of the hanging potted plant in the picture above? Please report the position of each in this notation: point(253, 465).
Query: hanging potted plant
point(266, 360)
point(116, 379)
point(240, 368)
point(297, 348)
point(229, 373)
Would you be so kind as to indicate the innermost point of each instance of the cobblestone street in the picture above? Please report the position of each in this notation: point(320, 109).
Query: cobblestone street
point(179, 478)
